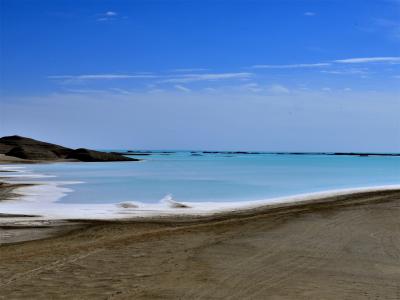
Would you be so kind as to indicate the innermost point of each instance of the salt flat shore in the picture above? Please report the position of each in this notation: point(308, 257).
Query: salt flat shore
point(344, 247)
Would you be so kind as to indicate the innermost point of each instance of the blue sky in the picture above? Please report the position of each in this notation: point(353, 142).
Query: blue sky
point(260, 75)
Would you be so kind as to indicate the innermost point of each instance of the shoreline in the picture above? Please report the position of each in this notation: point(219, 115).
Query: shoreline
point(25, 202)
point(32, 211)
point(27, 226)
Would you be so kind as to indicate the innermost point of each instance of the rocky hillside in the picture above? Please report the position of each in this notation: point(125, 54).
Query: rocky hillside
point(33, 150)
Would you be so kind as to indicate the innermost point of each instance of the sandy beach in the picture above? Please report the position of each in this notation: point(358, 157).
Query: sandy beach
point(344, 248)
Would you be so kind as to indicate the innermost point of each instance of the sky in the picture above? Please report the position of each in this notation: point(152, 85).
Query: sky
point(275, 75)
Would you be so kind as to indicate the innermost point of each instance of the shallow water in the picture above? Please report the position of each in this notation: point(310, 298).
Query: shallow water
point(217, 177)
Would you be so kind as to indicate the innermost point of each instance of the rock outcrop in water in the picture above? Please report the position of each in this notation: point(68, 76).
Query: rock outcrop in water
point(34, 150)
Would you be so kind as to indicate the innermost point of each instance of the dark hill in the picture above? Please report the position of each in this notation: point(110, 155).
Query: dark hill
point(7, 143)
point(83, 154)
point(30, 149)
point(32, 153)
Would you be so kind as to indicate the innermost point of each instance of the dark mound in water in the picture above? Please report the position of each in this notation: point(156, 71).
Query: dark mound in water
point(365, 154)
point(83, 154)
point(132, 153)
point(34, 150)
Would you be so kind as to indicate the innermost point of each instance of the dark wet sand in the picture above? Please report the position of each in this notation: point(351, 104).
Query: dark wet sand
point(347, 249)
point(7, 190)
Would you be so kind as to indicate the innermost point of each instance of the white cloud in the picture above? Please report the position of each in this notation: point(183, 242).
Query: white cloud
point(278, 89)
point(110, 13)
point(101, 76)
point(351, 71)
point(107, 16)
point(252, 87)
point(326, 89)
point(208, 77)
point(84, 91)
point(182, 88)
point(348, 66)
point(357, 60)
point(189, 70)
point(121, 91)
point(309, 14)
point(176, 78)
point(384, 59)
point(292, 66)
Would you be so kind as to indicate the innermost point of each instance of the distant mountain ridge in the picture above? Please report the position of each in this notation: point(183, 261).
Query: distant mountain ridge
point(34, 150)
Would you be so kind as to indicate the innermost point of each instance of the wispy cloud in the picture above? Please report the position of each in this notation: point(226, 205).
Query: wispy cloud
point(188, 70)
point(107, 16)
point(182, 88)
point(292, 66)
point(121, 91)
point(359, 60)
point(309, 14)
point(101, 76)
point(278, 89)
point(173, 78)
point(351, 71)
point(252, 87)
point(150, 77)
point(181, 79)
point(208, 77)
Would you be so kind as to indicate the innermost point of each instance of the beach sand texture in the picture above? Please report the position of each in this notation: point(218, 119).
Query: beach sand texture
point(348, 249)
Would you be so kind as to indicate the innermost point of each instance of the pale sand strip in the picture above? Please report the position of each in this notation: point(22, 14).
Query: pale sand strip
point(40, 198)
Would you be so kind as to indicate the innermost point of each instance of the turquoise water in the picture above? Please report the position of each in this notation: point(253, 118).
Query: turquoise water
point(218, 177)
